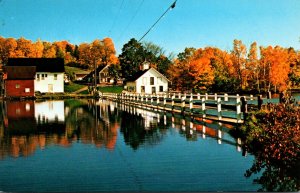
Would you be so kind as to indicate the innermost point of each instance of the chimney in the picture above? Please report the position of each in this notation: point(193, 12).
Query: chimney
point(145, 66)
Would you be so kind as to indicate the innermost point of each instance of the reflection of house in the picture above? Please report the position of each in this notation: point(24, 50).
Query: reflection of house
point(49, 111)
point(147, 81)
point(19, 81)
point(49, 72)
point(19, 117)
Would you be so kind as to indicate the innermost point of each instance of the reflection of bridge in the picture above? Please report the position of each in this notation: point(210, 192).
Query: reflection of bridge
point(192, 128)
point(223, 108)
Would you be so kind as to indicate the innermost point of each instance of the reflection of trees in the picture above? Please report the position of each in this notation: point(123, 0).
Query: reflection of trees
point(23, 135)
point(275, 177)
point(85, 123)
point(135, 133)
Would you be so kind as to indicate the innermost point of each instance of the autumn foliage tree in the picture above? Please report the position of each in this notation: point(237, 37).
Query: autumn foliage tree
point(84, 55)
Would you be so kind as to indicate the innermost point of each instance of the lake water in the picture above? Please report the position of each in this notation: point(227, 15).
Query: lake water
point(87, 145)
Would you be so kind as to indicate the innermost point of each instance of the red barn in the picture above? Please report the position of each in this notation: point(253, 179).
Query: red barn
point(19, 81)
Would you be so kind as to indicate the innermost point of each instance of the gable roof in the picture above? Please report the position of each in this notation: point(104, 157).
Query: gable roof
point(41, 64)
point(91, 74)
point(20, 72)
point(141, 73)
point(137, 75)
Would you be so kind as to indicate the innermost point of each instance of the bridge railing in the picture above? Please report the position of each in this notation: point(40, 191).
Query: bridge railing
point(231, 108)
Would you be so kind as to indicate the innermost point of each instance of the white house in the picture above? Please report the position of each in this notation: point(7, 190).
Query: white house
point(148, 81)
point(49, 73)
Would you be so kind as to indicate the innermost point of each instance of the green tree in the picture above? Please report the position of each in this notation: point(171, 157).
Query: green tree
point(132, 56)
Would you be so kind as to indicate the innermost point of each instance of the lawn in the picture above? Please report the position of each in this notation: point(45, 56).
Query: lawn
point(72, 87)
point(111, 89)
point(107, 89)
point(72, 70)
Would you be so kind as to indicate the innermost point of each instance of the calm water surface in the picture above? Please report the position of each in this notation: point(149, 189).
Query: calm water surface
point(86, 145)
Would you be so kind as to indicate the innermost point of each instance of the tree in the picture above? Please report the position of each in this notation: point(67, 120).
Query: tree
point(7, 49)
point(38, 48)
point(276, 67)
point(201, 72)
point(158, 57)
point(253, 66)
point(132, 56)
point(24, 48)
point(109, 52)
point(239, 61)
point(49, 50)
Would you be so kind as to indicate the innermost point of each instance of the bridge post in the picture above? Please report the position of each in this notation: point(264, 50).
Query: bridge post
point(151, 98)
point(191, 105)
point(238, 108)
point(216, 96)
point(225, 97)
point(165, 101)
point(219, 103)
point(146, 98)
point(251, 97)
point(192, 125)
point(198, 96)
point(259, 101)
point(172, 102)
point(183, 124)
point(206, 96)
point(203, 131)
point(191, 96)
point(182, 104)
point(220, 133)
point(157, 100)
point(173, 121)
point(203, 108)
point(179, 95)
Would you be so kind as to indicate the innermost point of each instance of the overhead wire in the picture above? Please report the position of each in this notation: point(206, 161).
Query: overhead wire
point(131, 20)
point(116, 17)
point(172, 6)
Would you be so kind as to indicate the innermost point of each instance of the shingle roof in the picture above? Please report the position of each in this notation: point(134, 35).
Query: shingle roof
point(20, 72)
point(137, 75)
point(91, 74)
point(42, 64)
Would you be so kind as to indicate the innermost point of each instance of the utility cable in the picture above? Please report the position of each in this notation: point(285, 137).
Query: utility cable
point(115, 19)
point(169, 8)
point(132, 18)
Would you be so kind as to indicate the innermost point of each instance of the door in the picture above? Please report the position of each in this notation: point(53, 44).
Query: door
point(50, 87)
point(153, 90)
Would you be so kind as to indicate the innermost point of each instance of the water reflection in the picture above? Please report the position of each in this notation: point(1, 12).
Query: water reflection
point(30, 125)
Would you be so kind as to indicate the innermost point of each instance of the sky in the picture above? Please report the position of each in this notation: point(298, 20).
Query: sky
point(192, 23)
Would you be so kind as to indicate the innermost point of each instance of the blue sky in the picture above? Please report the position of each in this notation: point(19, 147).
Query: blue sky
point(192, 23)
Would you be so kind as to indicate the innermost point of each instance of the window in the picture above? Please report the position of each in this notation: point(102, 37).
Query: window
point(43, 76)
point(38, 76)
point(151, 80)
point(46, 75)
point(17, 86)
point(27, 89)
point(142, 88)
point(55, 76)
point(161, 88)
